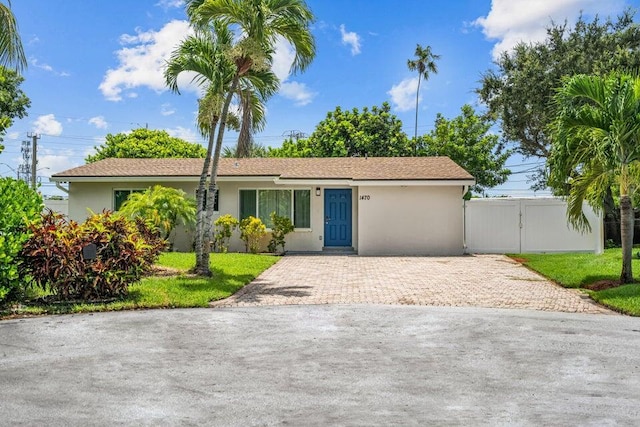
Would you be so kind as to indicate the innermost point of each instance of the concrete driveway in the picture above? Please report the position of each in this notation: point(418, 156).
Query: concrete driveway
point(480, 281)
point(321, 365)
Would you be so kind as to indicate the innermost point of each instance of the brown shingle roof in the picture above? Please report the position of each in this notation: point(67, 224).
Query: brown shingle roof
point(355, 168)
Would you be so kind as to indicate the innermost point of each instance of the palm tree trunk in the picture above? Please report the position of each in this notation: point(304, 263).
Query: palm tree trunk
point(626, 235)
point(213, 184)
point(202, 255)
point(415, 134)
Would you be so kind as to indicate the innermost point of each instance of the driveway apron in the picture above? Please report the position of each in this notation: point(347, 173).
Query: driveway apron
point(481, 281)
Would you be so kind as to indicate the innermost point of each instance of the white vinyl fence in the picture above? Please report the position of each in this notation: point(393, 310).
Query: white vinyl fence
point(513, 225)
point(59, 206)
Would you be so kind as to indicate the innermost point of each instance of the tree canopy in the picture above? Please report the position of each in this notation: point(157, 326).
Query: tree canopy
point(468, 141)
point(13, 101)
point(146, 143)
point(519, 92)
point(374, 132)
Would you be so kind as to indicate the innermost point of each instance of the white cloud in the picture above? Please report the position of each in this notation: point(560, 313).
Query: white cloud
point(281, 67)
point(47, 125)
point(46, 67)
point(297, 92)
point(184, 133)
point(513, 21)
point(142, 61)
point(50, 162)
point(99, 122)
point(166, 109)
point(168, 4)
point(403, 95)
point(351, 39)
point(13, 135)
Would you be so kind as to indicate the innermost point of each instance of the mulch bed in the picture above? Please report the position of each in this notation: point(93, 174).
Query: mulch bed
point(601, 285)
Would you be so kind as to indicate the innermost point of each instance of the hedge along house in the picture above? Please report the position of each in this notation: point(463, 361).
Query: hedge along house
point(375, 205)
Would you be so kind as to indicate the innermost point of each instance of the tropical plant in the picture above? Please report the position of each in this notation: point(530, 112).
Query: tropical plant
point(57, 257)
point(244, 60)
point(161, 207)
point(19, 204)
point(11, 52)
point(145, 144)
point(595, 136)
point(225, 226)
point(424, 64)
point(252, 230)
point(280, 228)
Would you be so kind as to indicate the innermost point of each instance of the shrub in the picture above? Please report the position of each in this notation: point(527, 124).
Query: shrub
point(281, 227)
point(225, 225)
point(251, 231)
point(162, 207)
point(18, 205)
point(124, 250)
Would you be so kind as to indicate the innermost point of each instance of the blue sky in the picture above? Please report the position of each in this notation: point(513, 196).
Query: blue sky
point(95, 68)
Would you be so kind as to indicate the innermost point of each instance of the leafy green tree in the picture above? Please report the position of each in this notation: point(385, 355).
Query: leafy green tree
point(162, 208)
point(144, 144)
point(520, 90)
point(19, 205)
point(257, 24)
point(13, 102)
point(468, 141)
point(424, 64)
point(11, 52)
point(376, 133)
point(595, 144)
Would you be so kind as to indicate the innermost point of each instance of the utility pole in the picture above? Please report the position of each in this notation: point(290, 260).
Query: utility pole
point(34, 157)
point(294, 134)
point(24, 169)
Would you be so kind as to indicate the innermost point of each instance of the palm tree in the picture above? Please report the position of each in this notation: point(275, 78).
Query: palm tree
point(11, 52)
point(258, 23)
point(204, 55)
point(424, 64)
point(596, 135)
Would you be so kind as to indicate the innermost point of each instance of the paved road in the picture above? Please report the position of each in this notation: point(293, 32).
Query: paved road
point(467, 281)
point(321, 365)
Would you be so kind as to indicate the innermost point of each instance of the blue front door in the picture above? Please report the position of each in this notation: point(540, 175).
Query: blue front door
point(337, 217)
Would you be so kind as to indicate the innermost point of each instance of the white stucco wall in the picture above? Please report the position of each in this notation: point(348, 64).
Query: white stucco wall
point(99, 196)
point(412, 220)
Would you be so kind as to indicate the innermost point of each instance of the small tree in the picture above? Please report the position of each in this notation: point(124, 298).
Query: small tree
point(252, 230)
point(162, 207)
point(225, 226)
point(281, 227)
point(146, 144)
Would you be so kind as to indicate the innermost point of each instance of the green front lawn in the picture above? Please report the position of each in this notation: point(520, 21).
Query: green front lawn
point(230, 273)
point(577, 270)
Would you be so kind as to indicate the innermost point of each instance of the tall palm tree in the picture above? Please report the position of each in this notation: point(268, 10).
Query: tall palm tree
point(424, 64)
point(11, 52)
point(596, 143)
point(203, 54)
point(258, 24)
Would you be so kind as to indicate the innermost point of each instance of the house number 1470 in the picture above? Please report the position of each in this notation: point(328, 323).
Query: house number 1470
point(365, 197)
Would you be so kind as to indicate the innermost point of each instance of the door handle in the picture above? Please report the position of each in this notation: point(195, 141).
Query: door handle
point(327, 219)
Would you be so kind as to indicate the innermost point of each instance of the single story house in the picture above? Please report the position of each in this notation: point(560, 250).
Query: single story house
point(374, 205)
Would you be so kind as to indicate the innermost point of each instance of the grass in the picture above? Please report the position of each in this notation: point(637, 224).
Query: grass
point(576, 270)
point(230, 273)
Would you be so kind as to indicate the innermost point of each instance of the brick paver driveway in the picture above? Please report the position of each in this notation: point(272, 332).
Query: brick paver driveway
point(481, 281)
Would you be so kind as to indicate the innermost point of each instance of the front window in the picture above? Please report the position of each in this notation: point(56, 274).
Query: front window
point(292, 204)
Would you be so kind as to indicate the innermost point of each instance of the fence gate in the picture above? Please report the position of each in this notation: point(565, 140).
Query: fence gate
point(511, 225)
